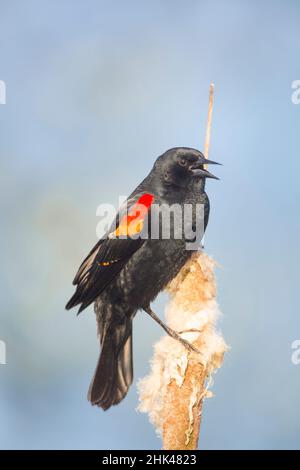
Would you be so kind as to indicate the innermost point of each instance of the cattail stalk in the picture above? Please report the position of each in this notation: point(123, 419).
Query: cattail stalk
point(173, 393)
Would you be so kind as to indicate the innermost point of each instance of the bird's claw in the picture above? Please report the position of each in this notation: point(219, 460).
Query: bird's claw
point(189, 346)
point(184, 342)
point(191, 330)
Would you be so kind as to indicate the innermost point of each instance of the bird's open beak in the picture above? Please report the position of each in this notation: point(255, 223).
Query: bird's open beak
point(198, 170)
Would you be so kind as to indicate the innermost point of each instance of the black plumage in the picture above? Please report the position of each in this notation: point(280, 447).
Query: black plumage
point(122, 276)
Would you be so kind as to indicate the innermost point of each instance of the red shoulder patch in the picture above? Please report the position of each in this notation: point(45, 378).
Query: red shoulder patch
point(133, 222)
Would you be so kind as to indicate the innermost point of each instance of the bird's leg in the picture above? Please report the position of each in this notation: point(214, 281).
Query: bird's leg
point(169, 330)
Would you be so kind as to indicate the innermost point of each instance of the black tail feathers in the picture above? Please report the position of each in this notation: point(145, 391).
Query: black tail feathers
point(114, 371)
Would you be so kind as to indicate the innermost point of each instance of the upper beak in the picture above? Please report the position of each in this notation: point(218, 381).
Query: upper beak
point(204, 161)
point(198, 170)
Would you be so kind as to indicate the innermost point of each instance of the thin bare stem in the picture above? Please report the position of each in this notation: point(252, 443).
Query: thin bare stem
point(209, 120)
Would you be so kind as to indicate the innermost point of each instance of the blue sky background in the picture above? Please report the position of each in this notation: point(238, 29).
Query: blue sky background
point(96, 90)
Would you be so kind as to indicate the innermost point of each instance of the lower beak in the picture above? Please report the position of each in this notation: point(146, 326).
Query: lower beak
point(203, 173)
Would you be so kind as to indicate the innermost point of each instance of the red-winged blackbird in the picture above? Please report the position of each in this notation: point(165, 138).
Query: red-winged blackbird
point(124, 274)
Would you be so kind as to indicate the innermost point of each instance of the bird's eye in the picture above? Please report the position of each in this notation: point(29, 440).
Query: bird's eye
point(182, 162)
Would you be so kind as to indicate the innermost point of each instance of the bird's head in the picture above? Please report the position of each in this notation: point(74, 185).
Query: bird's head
point(180, 165)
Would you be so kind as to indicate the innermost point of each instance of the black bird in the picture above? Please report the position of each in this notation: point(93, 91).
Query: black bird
point(125, 271)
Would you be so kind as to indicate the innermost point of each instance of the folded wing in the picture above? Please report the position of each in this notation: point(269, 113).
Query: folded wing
point(111, 253)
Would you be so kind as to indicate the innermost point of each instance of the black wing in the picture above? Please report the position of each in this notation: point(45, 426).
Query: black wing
point(111, 253)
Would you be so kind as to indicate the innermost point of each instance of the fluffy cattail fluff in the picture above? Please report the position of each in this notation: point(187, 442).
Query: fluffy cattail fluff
point(173, 392)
